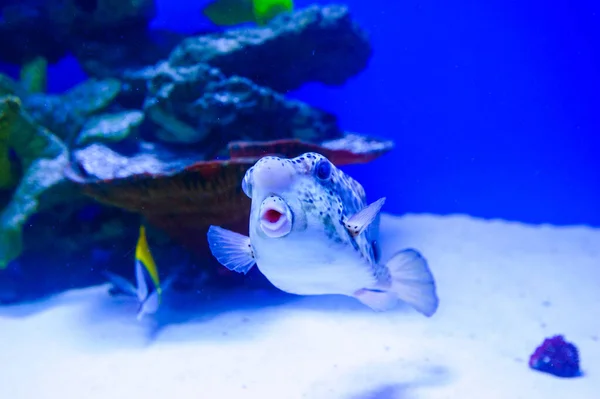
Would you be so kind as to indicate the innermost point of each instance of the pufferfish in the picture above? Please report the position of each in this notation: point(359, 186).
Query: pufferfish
point(311, 232)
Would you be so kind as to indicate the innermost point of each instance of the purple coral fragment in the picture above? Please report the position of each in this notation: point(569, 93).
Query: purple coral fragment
point(557, 357)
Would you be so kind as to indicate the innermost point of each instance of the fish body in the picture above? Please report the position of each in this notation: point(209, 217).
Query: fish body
point(236, 12)
point(148, 289)
point(311, 232)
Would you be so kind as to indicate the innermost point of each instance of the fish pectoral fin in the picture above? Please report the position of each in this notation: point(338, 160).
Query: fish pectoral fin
point(121, 283)
point(376, 299)
point(231, 249)
point(149, 305)
point(358, 222)
point(413, 282)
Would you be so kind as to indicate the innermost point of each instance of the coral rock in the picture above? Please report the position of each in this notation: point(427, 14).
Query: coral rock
point(64, 115)
point(43, 158)
point(314, 44)
point(109, 128)
point(98, 162)
point(557, 357)
point(199, 104)
point(184, 200)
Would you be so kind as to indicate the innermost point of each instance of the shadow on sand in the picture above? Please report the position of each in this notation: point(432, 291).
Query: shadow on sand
point(212, 314)
point(396, 380)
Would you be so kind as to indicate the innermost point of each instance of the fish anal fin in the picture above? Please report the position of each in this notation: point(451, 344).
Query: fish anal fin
point(358, 222)
point(413, 282)
point(377, 300)
point(231, 249)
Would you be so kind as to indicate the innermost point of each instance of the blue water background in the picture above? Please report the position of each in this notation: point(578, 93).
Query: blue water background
point(494, 105)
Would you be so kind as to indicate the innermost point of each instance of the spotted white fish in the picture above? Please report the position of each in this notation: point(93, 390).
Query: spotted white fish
point(312, 233)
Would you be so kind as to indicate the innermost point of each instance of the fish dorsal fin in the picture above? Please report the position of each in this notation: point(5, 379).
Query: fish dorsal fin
point(143, 255)
point(146, 272)
point(358, 222)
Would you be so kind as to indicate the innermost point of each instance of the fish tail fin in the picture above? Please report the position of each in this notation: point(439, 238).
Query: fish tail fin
point(413, 282)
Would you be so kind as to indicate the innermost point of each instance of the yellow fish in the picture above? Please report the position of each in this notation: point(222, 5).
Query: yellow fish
point(236, 12)
point(148, 288)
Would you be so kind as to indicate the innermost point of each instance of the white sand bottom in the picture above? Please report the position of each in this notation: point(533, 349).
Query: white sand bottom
point(503, 288)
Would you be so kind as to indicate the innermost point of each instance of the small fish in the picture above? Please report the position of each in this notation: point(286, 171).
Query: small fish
point(149, 290)
point(236, 12)
point(312, 233)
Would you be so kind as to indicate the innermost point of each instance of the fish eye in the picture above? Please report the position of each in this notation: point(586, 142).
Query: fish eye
point(246, 188)
point(323, 169)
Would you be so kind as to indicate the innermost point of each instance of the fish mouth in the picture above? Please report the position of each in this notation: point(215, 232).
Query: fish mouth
point(275, 217)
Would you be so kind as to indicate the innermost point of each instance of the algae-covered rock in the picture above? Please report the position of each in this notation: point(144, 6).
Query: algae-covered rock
point(8, 168)
point(43, 158)
point(315, 44)
point(110, 128)
point(98, 162)
point(199, 104)
point(93, 95)
point(9, 86)
point(65, 114)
